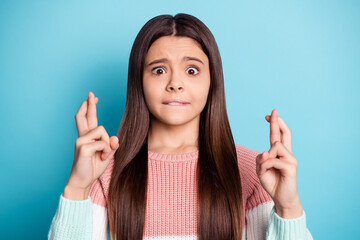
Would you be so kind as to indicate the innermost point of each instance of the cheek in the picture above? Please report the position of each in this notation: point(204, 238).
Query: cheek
point(150, 93)
point(200, 94)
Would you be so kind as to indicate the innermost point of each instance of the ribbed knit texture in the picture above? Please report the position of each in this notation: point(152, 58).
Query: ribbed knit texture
point(172, 209)
point(73, 220)
point(172, 198)
point(290, 229)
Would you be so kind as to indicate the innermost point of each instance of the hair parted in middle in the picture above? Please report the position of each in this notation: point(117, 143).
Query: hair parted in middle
point(217, 174)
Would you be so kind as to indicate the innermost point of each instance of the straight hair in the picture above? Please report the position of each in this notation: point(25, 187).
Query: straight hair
point(217, 174)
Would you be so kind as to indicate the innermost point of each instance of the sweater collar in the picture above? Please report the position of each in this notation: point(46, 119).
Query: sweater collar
point(174, 157)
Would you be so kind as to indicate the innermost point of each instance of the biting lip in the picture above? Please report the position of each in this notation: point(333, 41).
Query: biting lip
point(176, 101)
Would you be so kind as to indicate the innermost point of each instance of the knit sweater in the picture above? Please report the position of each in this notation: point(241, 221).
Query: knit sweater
point(172, 207)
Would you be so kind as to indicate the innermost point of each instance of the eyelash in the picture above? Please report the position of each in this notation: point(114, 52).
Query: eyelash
point(152, 70)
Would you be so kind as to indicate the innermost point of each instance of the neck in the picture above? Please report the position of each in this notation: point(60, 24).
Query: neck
point(173, 139)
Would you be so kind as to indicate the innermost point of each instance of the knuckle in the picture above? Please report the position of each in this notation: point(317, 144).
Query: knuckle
point(77, 143)
point(102, 145)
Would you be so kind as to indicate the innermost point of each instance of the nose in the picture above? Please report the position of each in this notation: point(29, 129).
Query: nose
point(174, 85)
point(171, 88)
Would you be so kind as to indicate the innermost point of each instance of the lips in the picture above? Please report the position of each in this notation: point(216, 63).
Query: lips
point(175, 102)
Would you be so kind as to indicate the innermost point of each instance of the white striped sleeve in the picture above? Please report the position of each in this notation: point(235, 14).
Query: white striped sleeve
point(257, 220)
point(100, 222)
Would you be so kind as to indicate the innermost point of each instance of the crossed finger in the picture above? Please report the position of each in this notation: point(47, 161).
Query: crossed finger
point(279, 131)
point(81, 120)
point(91, 113)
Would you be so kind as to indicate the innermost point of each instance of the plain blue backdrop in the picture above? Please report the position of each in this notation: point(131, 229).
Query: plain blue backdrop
point(302, 58)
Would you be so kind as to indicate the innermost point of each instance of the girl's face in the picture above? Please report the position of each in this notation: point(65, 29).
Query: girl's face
point(176, 70)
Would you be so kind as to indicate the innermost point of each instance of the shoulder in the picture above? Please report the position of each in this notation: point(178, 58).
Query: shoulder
point(253, 191)
point(246, 159)
point(245, 154)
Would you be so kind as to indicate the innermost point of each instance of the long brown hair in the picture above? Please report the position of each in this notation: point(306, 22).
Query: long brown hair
point(218, 177)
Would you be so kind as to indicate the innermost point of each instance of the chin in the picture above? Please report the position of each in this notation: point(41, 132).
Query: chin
point(175, 120)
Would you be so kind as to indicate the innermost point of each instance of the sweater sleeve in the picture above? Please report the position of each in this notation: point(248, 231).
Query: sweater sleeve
point(262, 221)
point(84, 219)
point(72, 220)
point(293, 228)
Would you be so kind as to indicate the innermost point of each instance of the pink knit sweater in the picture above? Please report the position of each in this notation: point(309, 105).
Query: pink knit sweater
point(171, 210)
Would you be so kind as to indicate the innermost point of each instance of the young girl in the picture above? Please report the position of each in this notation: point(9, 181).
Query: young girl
point(173, 171)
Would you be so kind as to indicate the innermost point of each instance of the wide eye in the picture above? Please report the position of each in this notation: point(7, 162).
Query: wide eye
point(192, 70)
point(158, 70)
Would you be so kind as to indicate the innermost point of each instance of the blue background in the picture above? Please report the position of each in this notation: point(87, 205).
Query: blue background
point(301, 58)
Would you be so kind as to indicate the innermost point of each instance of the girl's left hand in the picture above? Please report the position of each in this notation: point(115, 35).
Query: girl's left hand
point(277, 169)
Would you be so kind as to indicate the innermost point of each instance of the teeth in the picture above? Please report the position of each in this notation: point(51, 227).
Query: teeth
point(174, 103)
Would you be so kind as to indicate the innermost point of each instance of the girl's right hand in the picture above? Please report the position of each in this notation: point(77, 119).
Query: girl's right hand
point(93, 151)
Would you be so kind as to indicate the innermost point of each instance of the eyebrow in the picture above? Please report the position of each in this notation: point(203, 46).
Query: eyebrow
point(186, 58)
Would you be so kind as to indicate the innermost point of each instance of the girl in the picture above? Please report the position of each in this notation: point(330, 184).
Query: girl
point(173, 171)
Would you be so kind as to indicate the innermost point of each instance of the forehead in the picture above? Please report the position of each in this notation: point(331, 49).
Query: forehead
point(174, 47)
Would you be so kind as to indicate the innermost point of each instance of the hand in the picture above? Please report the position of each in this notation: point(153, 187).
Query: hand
point(277, 169)
point(93, 151)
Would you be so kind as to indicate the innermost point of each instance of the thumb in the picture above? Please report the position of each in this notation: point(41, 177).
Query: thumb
point(114, 144)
